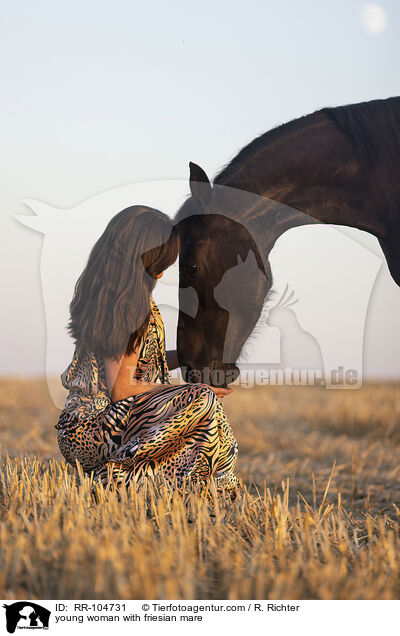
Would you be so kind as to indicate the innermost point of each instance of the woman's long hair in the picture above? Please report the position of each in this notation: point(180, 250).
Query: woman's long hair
point(110, 309)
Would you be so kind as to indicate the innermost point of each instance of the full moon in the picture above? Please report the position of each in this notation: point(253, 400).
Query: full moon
point(374, 18)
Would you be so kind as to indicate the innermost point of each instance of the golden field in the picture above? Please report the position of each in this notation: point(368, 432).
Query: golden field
point(317, 516)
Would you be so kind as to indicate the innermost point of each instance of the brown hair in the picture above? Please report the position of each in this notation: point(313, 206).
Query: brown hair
point(110, 309)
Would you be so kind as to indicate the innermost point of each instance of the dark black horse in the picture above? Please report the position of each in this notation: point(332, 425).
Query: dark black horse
point(337, 166)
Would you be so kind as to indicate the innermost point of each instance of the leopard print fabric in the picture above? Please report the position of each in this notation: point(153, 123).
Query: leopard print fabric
point(178, 431)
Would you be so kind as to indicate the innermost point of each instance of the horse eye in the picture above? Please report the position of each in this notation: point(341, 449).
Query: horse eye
point(193, 268)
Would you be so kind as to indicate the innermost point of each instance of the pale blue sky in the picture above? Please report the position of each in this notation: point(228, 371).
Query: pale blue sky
point(96, 95)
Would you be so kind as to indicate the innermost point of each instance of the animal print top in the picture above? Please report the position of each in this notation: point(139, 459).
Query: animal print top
point(86, 380)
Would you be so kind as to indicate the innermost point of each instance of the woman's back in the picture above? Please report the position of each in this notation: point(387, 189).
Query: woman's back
point(86, 376)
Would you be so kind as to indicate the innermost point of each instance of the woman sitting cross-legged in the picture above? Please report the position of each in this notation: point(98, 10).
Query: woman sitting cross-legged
point(123, 419)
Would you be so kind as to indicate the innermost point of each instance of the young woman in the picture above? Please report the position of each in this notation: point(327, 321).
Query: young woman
point(123, 419)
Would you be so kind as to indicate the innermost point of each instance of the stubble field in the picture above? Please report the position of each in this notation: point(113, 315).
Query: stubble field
point(317, 517)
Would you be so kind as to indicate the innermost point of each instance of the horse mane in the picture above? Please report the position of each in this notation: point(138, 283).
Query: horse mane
point(373, 127)
point(256, 145)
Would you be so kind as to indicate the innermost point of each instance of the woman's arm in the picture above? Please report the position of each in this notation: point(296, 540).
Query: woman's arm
point(120, 375)
point(121, 382)
point(137, 386)
point(120, 378)
point(172, 359)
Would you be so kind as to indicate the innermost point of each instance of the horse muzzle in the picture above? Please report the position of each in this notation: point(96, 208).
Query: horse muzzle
point(217, 374)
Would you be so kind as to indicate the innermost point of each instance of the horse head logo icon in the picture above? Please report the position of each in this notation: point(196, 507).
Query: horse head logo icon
point(26, 614)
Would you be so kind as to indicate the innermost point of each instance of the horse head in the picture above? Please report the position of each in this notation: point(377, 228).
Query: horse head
point(224, 280)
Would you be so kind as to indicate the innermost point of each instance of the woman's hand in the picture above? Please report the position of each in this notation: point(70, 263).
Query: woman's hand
point(220, 391)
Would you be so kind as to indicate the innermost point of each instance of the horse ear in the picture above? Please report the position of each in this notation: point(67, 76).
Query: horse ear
point(200, 185)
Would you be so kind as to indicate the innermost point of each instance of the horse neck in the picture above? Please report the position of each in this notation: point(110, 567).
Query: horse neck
point(310, 167)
